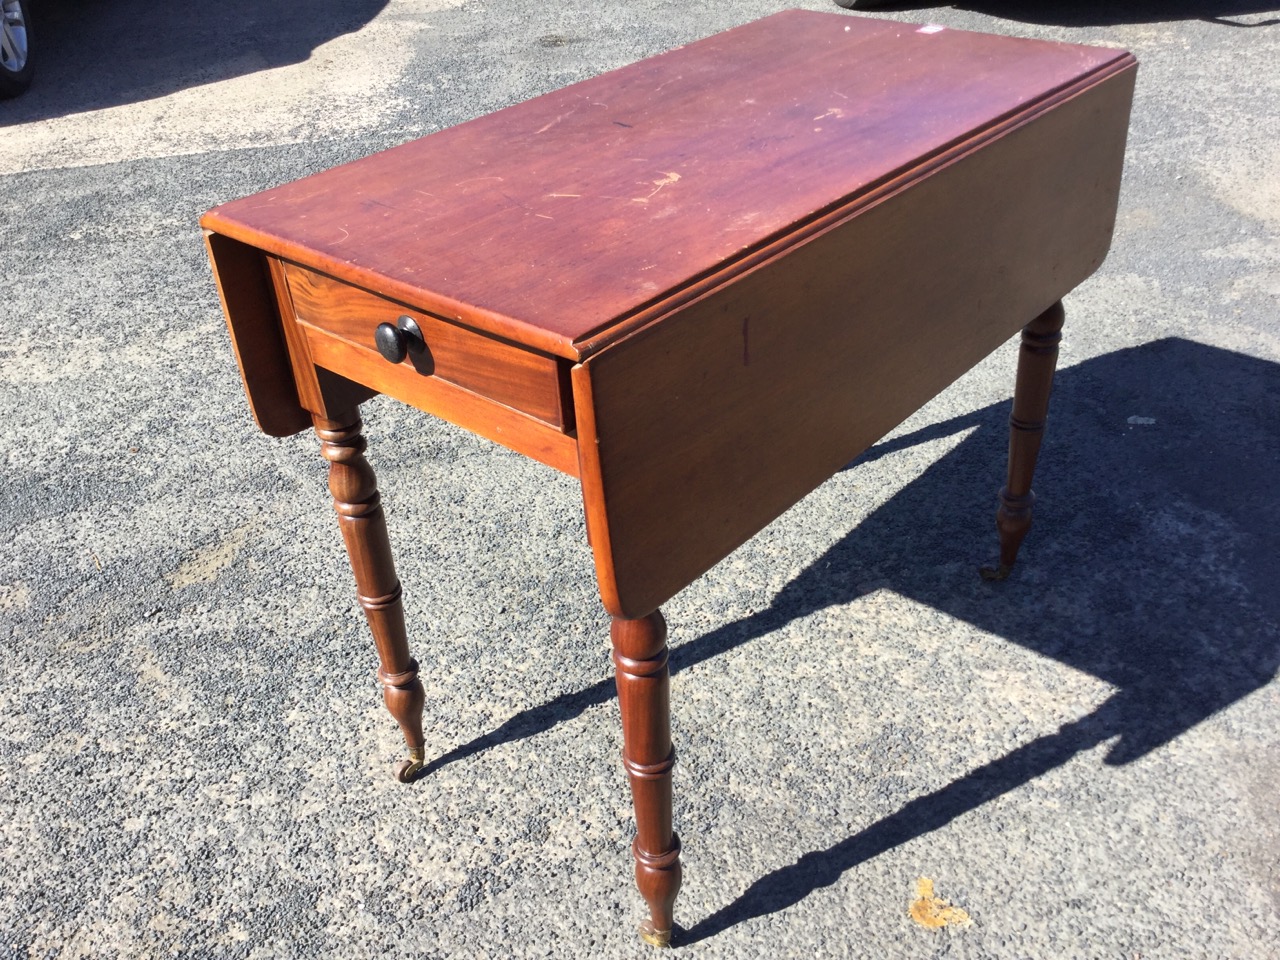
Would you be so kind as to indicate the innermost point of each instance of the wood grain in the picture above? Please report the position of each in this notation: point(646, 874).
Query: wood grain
point(322, 392)
point(709, 423)
point(364, 531)
point(304, 370)
point(702, 283)
point(513, 429)
point(1037, 358)
point(504, 372)
point(644, 699)
point(253, 322)
point(551, 222)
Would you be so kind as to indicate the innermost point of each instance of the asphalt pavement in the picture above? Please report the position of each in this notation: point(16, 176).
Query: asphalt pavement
point(194, 758)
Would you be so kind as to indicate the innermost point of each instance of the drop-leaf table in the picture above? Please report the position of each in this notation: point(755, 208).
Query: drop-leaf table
point(700, 284)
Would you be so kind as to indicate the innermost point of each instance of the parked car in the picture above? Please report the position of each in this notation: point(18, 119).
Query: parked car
point(16, 68)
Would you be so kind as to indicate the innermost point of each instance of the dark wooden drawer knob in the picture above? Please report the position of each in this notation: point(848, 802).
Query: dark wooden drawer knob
point(397, 342)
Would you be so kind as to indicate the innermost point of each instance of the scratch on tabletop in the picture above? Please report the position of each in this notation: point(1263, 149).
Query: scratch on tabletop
point(567, 113)
point(666, 181)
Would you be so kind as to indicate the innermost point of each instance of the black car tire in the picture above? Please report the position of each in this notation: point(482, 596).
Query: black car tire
point(16, 66)
point(860, 4)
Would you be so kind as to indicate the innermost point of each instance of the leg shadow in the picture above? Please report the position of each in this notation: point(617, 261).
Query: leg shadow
point(1151, 566)
point(789, 885)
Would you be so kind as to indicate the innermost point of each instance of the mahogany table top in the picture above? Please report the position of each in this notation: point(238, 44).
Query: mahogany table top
point(552, 222)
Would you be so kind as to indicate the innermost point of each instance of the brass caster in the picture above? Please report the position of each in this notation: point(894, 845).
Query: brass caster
point(653, 937)
point(410, 768)
point(995, 574)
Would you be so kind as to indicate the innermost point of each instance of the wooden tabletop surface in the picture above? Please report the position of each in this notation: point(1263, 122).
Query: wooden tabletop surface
point(552, 220)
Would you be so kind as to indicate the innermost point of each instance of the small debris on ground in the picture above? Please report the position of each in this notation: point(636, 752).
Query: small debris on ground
point(928, 911)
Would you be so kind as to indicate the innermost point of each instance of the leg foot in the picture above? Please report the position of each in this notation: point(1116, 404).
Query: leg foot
point(640, 656)
point(409, 769)
point(995, 574)
point(364, 530)
point(654, 938)
point(1036, 361)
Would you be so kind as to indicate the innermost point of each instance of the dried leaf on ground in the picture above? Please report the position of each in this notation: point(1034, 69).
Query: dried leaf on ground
point(928, 911)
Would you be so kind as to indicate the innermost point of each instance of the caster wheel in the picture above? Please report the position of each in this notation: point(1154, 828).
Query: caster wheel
point(655, 938)
point(408, 771)
point(995, 574)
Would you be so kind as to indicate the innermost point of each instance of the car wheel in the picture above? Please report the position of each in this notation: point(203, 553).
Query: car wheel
point(16, 68)
point(860, 4)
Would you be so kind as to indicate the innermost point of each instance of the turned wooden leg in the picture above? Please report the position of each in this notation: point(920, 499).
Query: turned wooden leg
point(1036, 362)
point(364, 529)
point(640, 656)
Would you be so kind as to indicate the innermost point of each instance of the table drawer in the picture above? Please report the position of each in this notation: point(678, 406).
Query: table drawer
point(330, 310)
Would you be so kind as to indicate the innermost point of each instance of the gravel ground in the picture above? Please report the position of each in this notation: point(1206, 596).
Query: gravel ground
point(194, 760)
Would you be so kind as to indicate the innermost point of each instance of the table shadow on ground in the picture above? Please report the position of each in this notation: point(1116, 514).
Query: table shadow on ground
point(1151, 566)
point(92, 55)
point(1105, 13)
